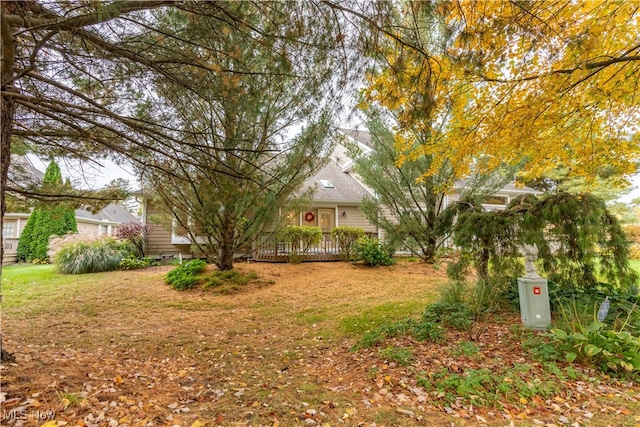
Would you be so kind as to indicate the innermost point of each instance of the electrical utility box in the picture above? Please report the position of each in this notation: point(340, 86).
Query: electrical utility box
point(534, 303)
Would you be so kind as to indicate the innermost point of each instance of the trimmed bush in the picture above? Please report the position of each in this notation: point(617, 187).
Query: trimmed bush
point(346, 238)
point(186, 275)
point(374, 253)
point(300, 239)
point(132, 263)
point(76, 254)
point(44, 222)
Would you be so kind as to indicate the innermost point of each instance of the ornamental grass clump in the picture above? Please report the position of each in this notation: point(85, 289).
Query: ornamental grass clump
point(77, 254)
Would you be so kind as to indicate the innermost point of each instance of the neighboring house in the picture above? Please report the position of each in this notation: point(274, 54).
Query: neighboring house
point(338, 194)
point(104, 221)
point(100, 223)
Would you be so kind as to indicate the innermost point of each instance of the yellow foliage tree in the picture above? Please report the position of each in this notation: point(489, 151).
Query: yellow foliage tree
point(541, 84)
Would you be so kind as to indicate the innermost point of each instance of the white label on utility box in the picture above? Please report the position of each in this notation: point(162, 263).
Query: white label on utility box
point(538, 316)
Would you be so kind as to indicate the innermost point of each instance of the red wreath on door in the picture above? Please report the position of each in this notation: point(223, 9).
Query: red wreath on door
point(309, 217)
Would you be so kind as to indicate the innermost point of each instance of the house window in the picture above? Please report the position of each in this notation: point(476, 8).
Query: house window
point(104, 229)
point(9, 230)
point(292, 218)
point(326, 183)
point(496, 200)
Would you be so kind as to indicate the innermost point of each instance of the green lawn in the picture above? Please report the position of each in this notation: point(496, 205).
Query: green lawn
point(635, 265)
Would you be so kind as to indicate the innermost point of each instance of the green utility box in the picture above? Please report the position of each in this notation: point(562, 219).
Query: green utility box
point(534, 303)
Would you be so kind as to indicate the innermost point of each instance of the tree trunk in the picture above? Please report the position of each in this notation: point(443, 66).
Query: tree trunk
point(7, 113)
point(225, 259)
point(483, 265)
point(429, 250)
point(226, 249)
point(6, 118)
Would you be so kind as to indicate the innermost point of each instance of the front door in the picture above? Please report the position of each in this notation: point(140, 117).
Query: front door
point(326, 219)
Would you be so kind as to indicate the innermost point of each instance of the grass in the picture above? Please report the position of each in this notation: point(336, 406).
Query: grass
point(41, 283)
point(375, 317)
point(400, 355)
point(635, 265)
point(268, 353)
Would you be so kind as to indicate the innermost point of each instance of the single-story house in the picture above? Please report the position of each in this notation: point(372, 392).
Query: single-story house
point(338, 194)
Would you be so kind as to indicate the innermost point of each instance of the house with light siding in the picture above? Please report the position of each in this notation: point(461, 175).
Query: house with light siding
point(99, 223)
point(336, 202)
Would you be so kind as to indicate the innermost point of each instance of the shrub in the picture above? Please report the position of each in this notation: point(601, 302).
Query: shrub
point(54, 219)
point(457, 316)
point(578, 306)
point(132, 263)
point(374, 253)
point(633, 233)
point(77, 254)
point(300, 239)
point(134, 234)
point(186, 275)
point(346, 237)
point(634, 251)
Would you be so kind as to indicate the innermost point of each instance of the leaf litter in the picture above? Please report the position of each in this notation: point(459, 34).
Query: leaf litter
point(235, 363)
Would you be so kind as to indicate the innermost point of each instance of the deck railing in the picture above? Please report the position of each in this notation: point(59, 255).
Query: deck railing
point(270, 248)
point(10, 245)
point(10, 250)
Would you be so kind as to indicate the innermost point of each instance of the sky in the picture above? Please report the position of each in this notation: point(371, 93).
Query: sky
point(90, 176)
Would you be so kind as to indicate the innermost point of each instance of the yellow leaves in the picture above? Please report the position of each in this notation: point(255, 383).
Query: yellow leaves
point(555, 109)
point(49, 424)
point(118, 379)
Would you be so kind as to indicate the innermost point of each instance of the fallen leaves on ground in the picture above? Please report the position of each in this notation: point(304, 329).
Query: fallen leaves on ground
point(269, 358)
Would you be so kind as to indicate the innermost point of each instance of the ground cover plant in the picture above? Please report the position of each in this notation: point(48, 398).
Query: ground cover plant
point(186, 275)
point(123, 347)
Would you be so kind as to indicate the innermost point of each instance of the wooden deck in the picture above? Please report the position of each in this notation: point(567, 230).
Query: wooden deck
point(272, 250)
point(10, 251)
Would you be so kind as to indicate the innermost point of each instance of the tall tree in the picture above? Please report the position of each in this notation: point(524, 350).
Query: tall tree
point(74, 74)
point(537, 83)
point(46, 221)
point(242, 154)
point(406, 207)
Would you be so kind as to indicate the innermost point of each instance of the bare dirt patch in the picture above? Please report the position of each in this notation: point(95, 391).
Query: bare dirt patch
point(129, 350)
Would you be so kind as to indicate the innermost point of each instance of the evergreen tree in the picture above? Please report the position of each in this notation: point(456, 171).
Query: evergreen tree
point(406, 207)
point(46, 221)
point(579, 241)
point(255, 127)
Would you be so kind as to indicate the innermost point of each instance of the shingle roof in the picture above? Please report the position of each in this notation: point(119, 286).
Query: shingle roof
point(362, 136)
point(510, 187)
point(22, 171)
point(346, 188)
point(112, 212)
